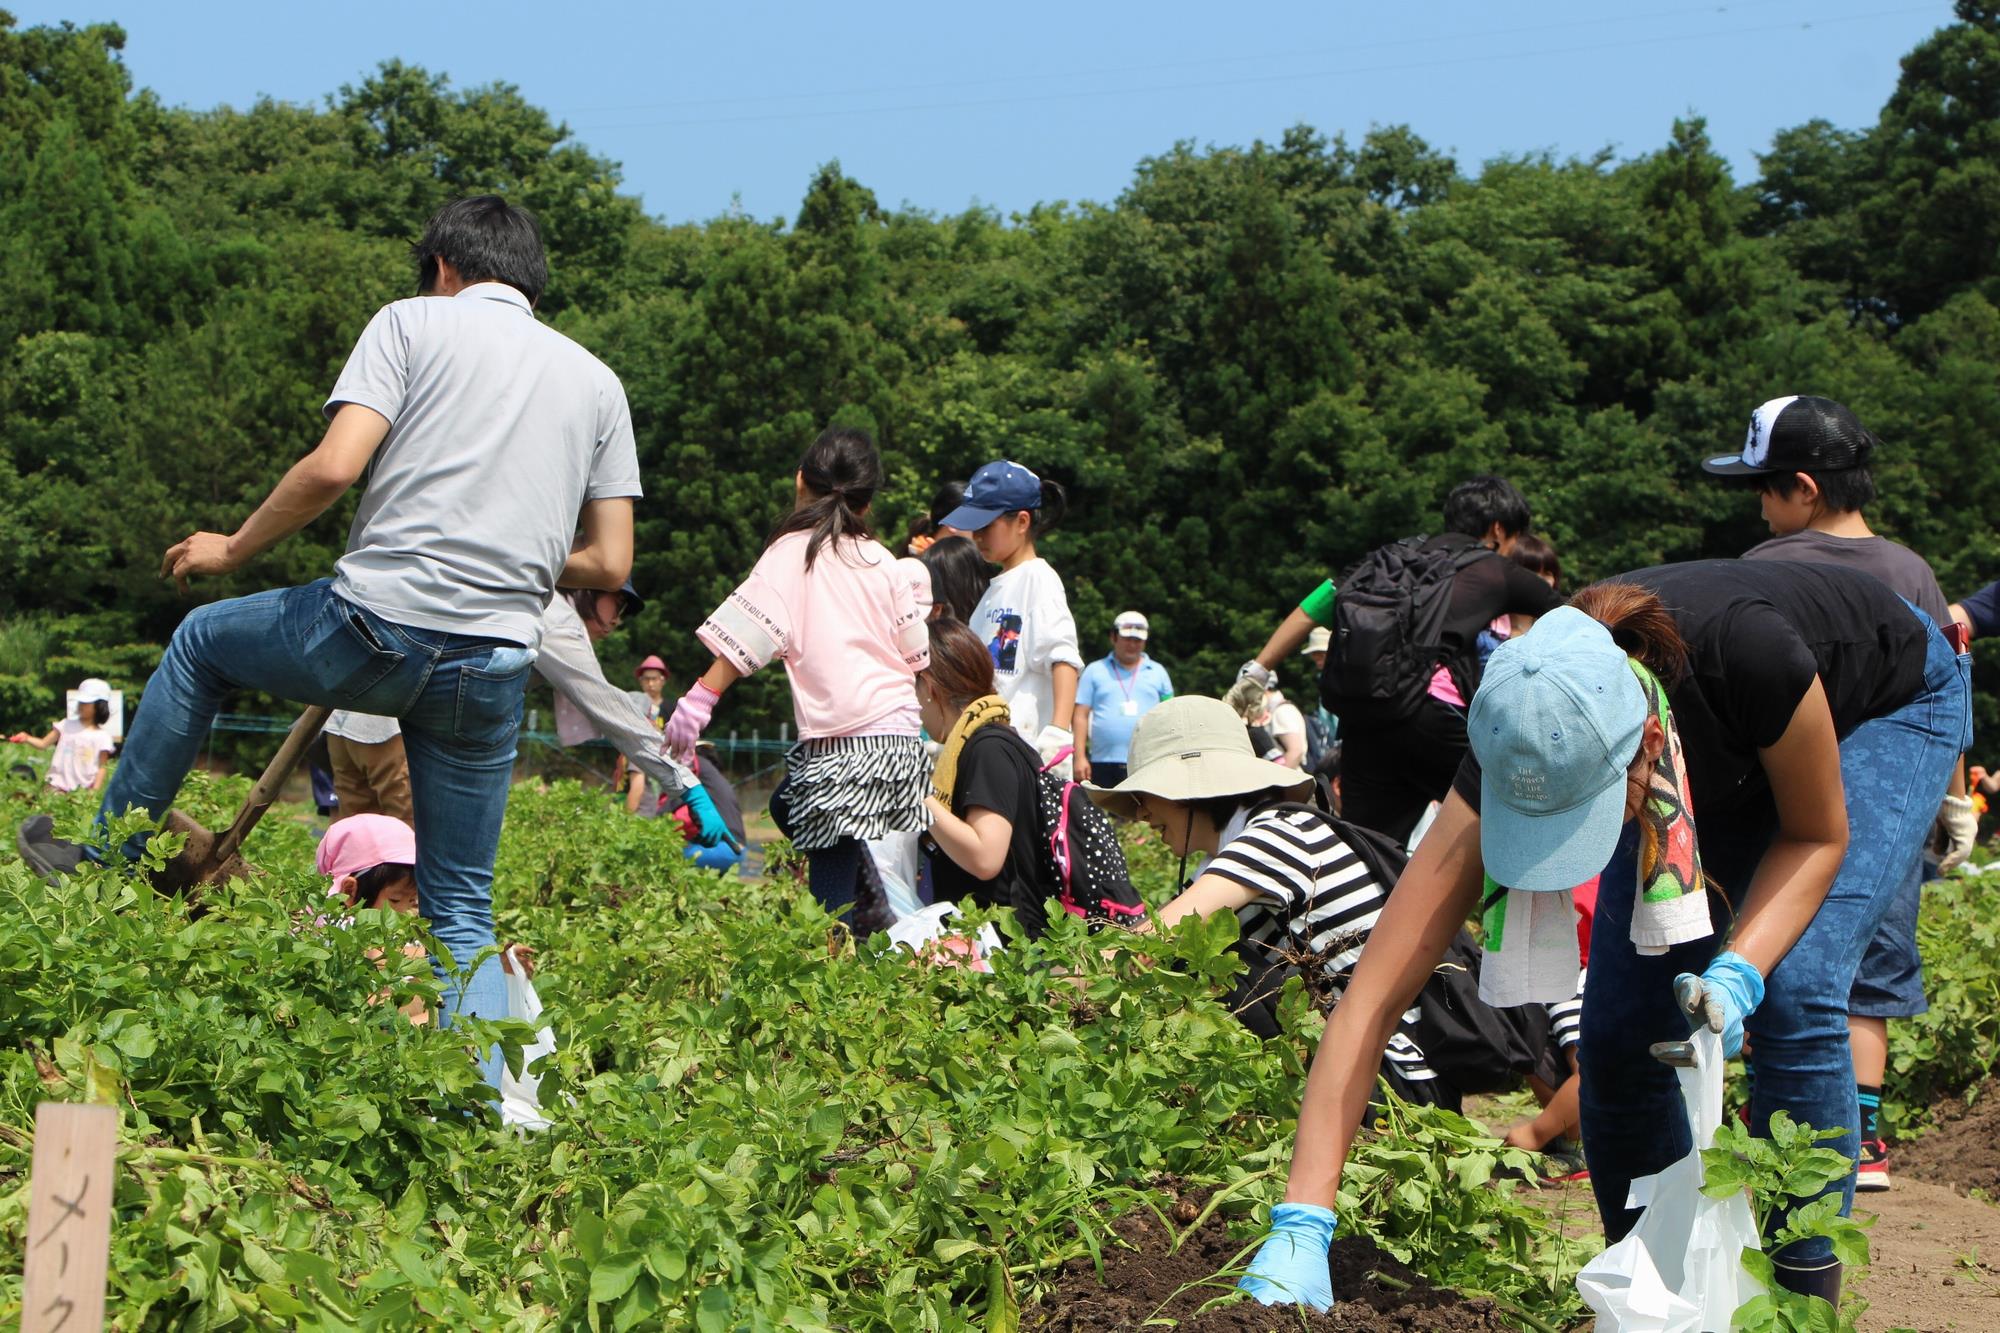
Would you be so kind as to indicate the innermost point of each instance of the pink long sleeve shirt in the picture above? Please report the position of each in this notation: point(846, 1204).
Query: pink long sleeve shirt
point(850, 633)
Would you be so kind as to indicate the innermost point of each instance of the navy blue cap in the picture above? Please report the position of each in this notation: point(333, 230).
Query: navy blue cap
point(996, 489)
point(633, 601)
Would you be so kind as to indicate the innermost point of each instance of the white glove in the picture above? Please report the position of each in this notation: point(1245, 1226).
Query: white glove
point(1052, 741)
point(1255, 670)
point(1958, 825)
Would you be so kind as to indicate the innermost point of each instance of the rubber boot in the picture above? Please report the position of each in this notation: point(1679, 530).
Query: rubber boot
point(1811, 1277)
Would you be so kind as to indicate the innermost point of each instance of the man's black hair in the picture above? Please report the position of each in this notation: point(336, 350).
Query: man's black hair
point(1475, 505)
point(486, 239)
point(1843, 490)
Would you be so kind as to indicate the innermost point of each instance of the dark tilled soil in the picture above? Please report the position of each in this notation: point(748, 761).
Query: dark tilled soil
point(1961, 1149)
point(1148, 1283)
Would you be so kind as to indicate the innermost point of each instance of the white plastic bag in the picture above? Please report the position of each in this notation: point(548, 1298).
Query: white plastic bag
point(1681, 1268)
point(927, 926)
point(520, 1098)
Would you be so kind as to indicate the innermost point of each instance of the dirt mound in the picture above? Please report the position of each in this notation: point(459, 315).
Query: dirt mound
point(1962, 1147)
point(1147, 1283)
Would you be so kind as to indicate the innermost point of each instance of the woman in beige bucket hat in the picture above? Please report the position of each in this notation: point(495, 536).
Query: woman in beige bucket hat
point(1284, 867)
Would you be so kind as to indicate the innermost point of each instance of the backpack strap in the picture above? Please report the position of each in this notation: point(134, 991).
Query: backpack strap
point(1379, 852)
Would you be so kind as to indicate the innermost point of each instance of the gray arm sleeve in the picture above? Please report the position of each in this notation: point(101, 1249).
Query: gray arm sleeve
point(569, 663)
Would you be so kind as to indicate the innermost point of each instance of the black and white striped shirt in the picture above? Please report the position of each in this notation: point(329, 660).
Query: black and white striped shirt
point(1566, 1017)
point(1314, 893)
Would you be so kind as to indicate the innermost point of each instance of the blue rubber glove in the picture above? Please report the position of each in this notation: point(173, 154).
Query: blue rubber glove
point(1290, 1267)
point(1727, 992)
point(707, 819)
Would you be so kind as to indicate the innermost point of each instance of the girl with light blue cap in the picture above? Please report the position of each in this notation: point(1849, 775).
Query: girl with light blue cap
point(1728, 690)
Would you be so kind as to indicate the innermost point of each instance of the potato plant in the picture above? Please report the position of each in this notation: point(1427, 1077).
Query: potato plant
point(758, 1122)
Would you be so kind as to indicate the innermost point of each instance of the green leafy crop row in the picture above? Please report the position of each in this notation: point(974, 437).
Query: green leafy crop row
point(1952, 1048)
point(757, 1123)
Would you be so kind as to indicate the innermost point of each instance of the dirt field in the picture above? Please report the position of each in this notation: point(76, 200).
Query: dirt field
point(1936, 1256)
point(1377, 1293)
point(1936, 1240)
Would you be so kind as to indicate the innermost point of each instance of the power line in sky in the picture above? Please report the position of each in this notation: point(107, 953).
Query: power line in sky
point(1238, 81)
point(1206, 62)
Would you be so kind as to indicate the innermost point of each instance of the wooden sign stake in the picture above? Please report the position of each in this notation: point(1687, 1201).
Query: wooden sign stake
point(69, 1218)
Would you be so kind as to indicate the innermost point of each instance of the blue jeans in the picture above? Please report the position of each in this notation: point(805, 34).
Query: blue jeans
point(459, 698)
point(1894, 770)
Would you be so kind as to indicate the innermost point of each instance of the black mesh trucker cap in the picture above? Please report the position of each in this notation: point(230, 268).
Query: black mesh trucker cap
point(1797, 434)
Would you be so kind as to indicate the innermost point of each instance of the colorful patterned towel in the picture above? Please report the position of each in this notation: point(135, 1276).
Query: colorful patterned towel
point(1672, 906)
point(1530, 940)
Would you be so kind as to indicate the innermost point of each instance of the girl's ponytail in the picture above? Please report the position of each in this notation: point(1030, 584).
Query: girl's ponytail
point(1639, 623)
point(1055, 503)
point(843, 471)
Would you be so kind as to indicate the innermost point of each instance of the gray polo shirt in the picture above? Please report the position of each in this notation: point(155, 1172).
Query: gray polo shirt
point(500, 430)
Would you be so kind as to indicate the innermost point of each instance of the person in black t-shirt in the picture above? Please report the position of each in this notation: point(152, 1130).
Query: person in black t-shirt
point(1393, 769)
point(1775, 677)
point(1807, 459)
point(985, 815)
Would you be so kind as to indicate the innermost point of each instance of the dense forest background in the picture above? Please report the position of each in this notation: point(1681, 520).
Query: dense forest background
point(1250, 367)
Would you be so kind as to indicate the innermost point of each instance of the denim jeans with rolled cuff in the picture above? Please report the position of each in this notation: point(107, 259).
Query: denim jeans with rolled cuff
point(1894, 770)
point(459, 698)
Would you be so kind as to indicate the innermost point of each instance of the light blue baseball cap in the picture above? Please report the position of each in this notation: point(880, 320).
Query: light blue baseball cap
point(1555, 724)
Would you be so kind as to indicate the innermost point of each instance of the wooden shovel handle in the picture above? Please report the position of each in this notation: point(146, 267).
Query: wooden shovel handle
point(297, 741)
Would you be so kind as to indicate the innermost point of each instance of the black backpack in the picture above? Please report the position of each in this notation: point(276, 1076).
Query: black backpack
point(1466, 1041)
point(1388, 627)
point(1254, 998)
point(1081, 855)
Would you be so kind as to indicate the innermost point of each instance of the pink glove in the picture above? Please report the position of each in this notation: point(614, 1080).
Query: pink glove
point(690, 719)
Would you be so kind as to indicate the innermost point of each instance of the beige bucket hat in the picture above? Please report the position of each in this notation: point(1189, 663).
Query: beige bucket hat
point(1192, 748)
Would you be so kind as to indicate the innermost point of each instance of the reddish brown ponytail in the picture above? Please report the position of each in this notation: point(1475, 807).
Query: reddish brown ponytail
point(961, 669)
point(1639, 623)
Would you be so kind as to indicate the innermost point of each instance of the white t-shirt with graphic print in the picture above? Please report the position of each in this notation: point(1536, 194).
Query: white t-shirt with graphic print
point(1025, 623)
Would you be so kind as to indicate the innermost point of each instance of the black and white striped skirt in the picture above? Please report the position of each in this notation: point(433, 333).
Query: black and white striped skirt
point(854, 787)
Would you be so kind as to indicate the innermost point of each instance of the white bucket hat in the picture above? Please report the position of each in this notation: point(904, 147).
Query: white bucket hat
point(1319, 641)
point(94, 690)
point(1194, 749)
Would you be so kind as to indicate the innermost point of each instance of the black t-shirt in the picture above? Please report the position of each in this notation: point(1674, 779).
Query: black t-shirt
point(1757, 633)
point(998, 771)
point(1487, 586)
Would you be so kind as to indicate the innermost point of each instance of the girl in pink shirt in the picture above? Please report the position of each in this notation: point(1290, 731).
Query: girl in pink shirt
point(847, 619)
point(80, 742)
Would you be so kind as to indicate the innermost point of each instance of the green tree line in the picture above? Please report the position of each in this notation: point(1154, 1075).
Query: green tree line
point(1250, 367)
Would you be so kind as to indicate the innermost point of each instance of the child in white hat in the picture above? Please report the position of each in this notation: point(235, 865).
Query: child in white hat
point(80, 742)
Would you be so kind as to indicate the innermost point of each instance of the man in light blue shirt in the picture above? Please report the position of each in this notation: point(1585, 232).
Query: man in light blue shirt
point(1114, 692)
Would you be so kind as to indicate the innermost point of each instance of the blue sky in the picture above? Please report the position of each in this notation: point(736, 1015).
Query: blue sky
point(941, 105)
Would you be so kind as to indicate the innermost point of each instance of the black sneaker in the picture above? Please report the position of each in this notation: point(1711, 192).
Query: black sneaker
point(43, 852)
point(1562, 1162)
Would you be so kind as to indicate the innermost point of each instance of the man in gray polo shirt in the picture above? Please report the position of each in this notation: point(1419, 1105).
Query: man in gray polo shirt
point(489, 443)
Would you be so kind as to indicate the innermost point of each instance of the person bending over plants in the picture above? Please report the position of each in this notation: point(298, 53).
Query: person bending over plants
point(983, 808)
point(1775, 676)
point(371, 861)
point(1306, 886)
